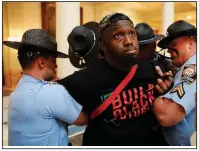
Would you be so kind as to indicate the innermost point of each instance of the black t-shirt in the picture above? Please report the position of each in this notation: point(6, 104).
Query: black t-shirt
point(128, 120)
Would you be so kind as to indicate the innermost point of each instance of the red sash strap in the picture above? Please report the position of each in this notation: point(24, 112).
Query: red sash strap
point(114, 94)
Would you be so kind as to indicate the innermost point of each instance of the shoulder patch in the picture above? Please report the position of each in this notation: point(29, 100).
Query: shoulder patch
point(189, 73)
point(179, 89)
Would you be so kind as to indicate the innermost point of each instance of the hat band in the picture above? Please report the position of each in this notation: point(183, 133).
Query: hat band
point(148, 40)
point(93, 43)
point(29, 54)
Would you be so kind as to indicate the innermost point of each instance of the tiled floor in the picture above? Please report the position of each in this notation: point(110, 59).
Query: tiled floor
point(5, 135)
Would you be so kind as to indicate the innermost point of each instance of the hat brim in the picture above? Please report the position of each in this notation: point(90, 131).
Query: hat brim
point(94, 26)
point(159, 37)
point(88, 59)
point(75, 60)
point(148, 41)
point(17, 45)
point(164, 43)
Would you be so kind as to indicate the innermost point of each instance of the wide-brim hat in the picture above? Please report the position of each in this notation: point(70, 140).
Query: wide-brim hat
point(84, 45)
point(156, 37)
point(146, 35)
point(176, 30)
point(37, 38)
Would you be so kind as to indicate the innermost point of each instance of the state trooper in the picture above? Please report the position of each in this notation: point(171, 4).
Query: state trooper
point(148, 49)
point(39, 109)
point(175, 109)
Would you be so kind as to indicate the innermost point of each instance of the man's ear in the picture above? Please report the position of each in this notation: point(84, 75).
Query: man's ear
point(40, 62)
point(102, 46)
point(191, 44)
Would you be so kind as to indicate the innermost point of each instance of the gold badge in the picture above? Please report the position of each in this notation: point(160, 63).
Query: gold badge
point(189, 73)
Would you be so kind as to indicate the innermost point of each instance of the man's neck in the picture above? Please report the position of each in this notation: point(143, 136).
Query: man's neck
point(119, 66)
point(33, 73)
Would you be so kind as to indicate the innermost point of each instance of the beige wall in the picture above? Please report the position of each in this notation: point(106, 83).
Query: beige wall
point(101, 10)
point(17, 18)
point(6, 50)
point(181, 9)
point(32, 15)
point(149, 12)
point(88, 11)
point(22, 16)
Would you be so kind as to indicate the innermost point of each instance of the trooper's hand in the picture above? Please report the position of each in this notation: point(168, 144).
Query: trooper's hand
point(165, 82)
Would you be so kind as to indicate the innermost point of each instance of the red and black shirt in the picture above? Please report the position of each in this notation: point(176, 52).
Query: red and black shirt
point(128, 120)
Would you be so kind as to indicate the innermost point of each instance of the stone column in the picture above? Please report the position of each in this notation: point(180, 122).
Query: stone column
point(168, 15)
point(67, 17)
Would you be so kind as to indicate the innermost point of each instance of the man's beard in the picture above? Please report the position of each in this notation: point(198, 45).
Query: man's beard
point(124, 60)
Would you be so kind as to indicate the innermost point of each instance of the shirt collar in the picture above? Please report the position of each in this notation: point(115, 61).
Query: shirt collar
point(192, 58)
point(189, 60)
point(27, 78)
